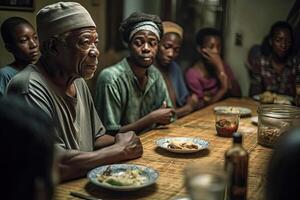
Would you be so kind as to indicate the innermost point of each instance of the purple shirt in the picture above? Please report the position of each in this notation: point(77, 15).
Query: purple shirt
point(201, 85)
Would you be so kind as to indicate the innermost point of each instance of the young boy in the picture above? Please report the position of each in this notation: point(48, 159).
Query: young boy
point(21, 40)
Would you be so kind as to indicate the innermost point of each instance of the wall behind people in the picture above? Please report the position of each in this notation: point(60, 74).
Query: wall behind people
point(252, 19)
point(97, 9)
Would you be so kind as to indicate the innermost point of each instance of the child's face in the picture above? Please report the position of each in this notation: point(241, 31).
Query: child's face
point(25, 46)
point(212, 43)
point(168, 48)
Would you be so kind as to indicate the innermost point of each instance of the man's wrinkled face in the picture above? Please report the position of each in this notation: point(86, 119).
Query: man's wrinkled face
point(169, 48)
point(143, 48)
point(80, 54)
point(25, 46)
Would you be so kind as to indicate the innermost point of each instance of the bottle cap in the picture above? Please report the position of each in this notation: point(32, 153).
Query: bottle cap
point(237, 137)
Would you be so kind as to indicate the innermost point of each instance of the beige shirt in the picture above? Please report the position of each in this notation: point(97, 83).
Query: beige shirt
point(77, 122)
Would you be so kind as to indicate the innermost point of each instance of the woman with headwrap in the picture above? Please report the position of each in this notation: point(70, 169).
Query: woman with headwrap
point(132, 95)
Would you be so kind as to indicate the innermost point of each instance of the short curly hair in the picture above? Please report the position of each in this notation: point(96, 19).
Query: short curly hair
point(8, 27)
point(128, 24)
point(202, 33)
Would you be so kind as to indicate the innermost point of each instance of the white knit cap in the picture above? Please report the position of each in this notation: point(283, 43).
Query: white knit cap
point(62, 17)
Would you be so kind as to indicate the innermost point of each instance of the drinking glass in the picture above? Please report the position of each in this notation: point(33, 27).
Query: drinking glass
point(226, 123)
point(205, 182)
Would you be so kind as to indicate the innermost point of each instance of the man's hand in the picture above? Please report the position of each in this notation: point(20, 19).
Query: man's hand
point(163, 115)
point(130, 143)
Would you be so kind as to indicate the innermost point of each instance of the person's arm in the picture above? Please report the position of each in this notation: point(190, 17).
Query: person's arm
point(189, 107)
point(161, 116)
point(74, 164)
point(195, 84)
point(216, 60)
point(104, 141)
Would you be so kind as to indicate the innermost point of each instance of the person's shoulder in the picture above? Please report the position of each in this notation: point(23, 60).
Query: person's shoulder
point(112, 72)
point(21, 81)
point(7, 71)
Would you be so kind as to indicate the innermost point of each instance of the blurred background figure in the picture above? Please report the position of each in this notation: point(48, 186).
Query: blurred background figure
point(168, 50)
point(21, 40)
point(28, 162)
point(272, 65)
point(284, 168)
point(210, 77)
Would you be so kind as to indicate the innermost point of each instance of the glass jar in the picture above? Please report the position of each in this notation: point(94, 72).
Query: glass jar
point(275, 119)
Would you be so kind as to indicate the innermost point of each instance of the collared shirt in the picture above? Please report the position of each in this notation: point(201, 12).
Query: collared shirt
point(263, 76)
point(119, 99)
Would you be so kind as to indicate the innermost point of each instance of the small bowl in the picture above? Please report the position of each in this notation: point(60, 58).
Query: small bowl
point(226, 123)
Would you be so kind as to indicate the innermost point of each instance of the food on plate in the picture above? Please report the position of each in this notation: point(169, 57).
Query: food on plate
point(226, 128)
point(269, 97)
point(182, 145)
point(122, 178)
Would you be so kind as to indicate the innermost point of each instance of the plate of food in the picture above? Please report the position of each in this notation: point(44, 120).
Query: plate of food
point(182, 144)
point(123, 177)
point(233, 109)
point(269, 98)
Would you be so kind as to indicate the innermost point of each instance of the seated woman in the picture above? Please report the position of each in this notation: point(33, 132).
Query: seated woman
point(209, 77)
point(168, 50)
point(21, 40)
point(272, 65)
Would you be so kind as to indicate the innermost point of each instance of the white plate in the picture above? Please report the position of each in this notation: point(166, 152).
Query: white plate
point(150, 174)
point(254, 120)
point(164, 142)
point(242, 110)
point(288, 100)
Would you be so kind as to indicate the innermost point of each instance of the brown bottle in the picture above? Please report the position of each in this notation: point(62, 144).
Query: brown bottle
point(236, 165)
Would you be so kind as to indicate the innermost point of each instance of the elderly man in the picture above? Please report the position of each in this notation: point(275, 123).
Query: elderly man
point(168, 50)
point(69, 41)
point(132, 95)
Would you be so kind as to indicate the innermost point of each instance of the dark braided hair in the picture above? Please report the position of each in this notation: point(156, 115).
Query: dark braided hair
point(8, 27)
point(128, 24)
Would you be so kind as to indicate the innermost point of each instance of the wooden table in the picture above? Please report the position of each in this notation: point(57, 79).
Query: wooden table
point(171, 165)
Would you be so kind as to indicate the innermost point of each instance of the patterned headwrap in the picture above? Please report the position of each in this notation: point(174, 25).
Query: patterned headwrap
point(138, 21)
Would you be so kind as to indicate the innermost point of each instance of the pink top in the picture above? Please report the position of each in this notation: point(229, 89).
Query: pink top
point(201, 85)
